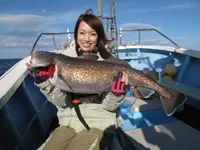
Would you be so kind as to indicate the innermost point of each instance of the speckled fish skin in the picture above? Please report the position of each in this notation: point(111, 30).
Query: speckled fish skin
point(90, 76)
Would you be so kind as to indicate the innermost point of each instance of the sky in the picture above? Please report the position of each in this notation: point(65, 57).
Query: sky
point(22, 21)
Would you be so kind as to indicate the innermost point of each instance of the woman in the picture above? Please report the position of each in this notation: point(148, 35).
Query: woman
point(98, 110)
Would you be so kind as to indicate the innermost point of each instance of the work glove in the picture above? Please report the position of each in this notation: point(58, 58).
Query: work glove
point(41, 74)
point(118, 86)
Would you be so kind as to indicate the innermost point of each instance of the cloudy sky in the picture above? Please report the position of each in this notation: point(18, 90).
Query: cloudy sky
point(22, 21)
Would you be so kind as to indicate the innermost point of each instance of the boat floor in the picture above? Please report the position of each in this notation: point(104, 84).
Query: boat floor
point(173, 136)
point(181, 134)
point(190, 115)
point(187, 113)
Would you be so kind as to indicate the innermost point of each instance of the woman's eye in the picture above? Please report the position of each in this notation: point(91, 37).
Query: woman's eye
point(93, 34)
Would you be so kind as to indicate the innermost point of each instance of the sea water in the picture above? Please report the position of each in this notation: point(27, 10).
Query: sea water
point(6, 64)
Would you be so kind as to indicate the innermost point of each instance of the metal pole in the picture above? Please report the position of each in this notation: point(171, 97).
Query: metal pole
point(100, 9)
point(120, 35)
point(114, 24)
point(54, 41)
point(69, 35)
point(139, 37)
point(107, 23)
point(112, 14)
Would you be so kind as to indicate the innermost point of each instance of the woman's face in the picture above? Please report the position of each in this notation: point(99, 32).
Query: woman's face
point(87, 37)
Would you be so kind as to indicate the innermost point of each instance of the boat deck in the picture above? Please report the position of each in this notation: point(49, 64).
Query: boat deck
point(173, 136)
point(152, 129)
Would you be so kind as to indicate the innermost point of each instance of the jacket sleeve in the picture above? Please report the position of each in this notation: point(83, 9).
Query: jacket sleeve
point(54, 94)
point(110, 101)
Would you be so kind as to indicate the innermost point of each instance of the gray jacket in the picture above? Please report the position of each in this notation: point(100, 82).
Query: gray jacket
point(97, 110)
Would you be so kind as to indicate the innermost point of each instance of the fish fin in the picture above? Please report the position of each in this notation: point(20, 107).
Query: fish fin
point(146, 93)
point(171, 105)
point(118, 61)
point(89, 56)
point(152, 74)
point(62, 78)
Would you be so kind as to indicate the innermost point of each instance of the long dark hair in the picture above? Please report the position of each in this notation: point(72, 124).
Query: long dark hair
point(95, 23)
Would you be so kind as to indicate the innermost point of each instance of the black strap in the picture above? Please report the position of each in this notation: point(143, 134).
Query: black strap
point(78, 112)
point(80, 117)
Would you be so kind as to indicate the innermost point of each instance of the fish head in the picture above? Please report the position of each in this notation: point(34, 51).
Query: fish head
point(42, 59)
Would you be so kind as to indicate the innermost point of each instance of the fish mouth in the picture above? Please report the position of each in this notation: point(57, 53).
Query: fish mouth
point(37, 60)
point(39, 63)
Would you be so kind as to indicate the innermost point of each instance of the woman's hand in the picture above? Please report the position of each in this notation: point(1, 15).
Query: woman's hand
point(120, 84)
point(41, 74)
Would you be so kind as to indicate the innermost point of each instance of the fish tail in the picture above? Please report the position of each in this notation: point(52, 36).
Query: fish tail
point(146, 93)
point(171, 102)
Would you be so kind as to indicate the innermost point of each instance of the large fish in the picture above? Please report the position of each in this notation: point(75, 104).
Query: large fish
point(88, 76)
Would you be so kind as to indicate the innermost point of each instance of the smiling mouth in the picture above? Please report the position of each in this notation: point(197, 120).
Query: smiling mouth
point(86, 45)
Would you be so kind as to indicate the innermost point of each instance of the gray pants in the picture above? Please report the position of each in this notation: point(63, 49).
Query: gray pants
point(65, 138)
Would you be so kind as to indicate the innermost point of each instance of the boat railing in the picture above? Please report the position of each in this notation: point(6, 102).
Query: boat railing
point(53, 38)
point(139, 34)
point(120, 36)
